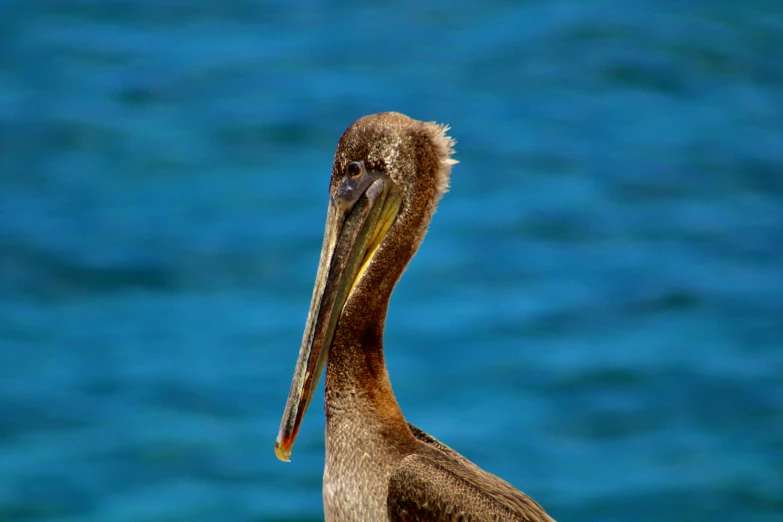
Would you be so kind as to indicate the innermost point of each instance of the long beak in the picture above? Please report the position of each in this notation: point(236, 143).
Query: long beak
point(353, 233)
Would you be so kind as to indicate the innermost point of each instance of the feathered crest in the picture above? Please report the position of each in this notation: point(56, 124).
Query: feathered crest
point(444, 148)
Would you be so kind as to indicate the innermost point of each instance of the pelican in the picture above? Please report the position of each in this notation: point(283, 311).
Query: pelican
point(389, 173)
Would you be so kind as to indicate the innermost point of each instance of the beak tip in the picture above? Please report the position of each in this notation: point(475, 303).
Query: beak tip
point(283, 451)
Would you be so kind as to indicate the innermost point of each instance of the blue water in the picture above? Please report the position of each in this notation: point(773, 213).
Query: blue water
point(596, 314)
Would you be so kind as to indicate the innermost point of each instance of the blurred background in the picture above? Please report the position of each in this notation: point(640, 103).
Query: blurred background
point(596, 314)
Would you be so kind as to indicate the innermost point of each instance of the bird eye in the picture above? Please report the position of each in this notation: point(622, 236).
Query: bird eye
point(354, 169)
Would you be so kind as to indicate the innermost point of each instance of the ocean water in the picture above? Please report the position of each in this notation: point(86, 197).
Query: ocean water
point(596, 314)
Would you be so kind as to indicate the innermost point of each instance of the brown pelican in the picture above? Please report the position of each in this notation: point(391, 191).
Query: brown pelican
point(389, 173)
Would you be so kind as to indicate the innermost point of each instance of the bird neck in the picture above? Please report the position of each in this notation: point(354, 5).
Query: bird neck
point(357, 382)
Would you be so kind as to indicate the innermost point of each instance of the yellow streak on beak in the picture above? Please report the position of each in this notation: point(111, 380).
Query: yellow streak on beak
point(387, 218)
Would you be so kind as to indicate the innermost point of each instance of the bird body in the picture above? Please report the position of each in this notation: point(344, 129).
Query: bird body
point(389, 173)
